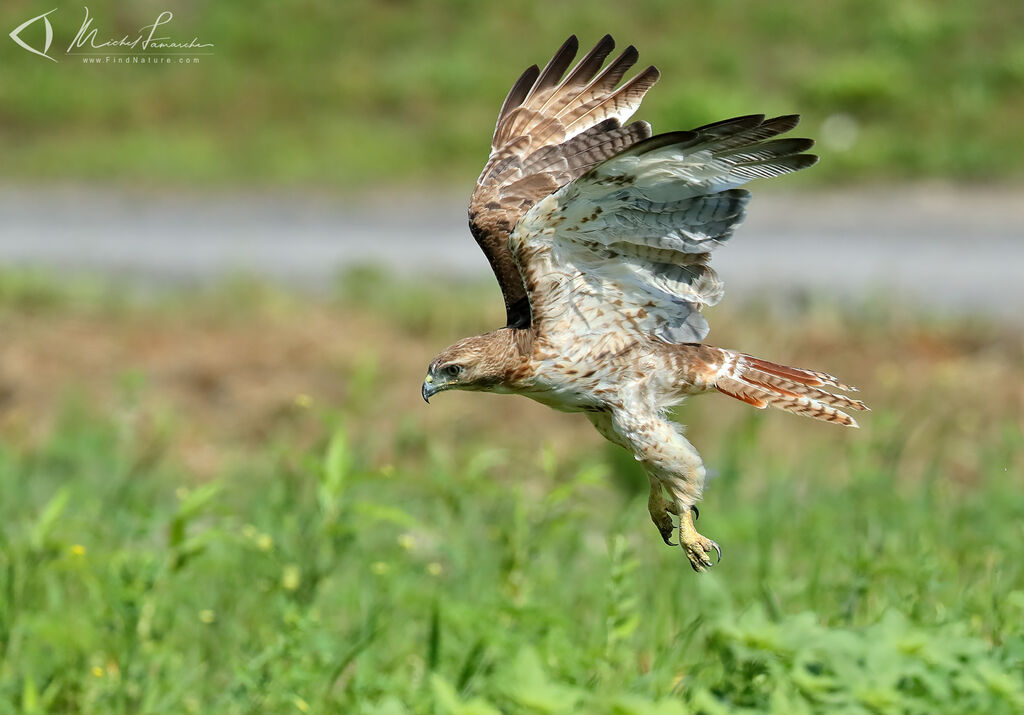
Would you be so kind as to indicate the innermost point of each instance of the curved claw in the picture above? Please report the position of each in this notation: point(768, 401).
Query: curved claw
point(666, 533)
point(696, 512)
point(663, 521)
point(698, 550)
point(701, 564)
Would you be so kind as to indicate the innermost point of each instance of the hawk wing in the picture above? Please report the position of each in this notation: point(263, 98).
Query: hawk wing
point(623, 250)
point(551, 130)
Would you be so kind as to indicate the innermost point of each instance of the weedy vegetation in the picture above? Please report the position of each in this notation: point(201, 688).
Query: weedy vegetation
point(234, 501)
point(348, 94)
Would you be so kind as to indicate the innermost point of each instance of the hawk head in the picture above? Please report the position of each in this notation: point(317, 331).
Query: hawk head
point(479, 363)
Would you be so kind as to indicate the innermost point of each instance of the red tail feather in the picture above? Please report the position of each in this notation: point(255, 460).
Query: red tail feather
point(762, 384)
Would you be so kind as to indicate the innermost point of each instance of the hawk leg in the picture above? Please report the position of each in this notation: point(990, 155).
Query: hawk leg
point(697, 548)
point(675, 471)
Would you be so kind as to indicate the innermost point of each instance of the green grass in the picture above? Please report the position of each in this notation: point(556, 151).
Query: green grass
point(351, 94)
point(876, 571)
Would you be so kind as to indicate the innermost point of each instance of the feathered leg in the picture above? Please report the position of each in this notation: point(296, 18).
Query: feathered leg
point(660, 508)
point(673, 467)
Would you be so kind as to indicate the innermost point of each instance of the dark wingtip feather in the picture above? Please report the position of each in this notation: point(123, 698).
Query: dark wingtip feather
point(651, 75)
point(618, 67)
point(520, 90)
point(772, 149)
point(784, 123)
point(742, 134)
point(787, 147)
point(606, 40)
point(557, 65)
point(587, 67)
point(735, 124)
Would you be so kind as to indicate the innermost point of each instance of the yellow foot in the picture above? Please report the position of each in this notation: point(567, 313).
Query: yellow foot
point(697, 548)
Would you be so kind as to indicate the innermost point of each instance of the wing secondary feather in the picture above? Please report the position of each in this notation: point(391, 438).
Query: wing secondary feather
point(625, 247)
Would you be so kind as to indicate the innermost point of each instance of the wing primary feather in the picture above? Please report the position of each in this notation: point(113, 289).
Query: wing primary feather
point(615, 71)
point(576, 82)
point(637, 86)
point(587, 67)
point(519, 92)
point(639, 227)
point(774, 167)
point(783, 124)
point(776, 148)
point(765, 130)
point(726, 127)
point(555, 124)
point(556, 66)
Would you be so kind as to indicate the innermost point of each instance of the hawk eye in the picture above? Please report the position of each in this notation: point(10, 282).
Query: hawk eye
point(453, 370)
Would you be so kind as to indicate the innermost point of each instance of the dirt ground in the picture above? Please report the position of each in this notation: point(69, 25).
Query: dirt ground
point(209, 383)
point(221, 384)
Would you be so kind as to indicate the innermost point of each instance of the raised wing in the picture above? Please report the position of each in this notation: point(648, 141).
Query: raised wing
point(623, 250)
point(551, 130)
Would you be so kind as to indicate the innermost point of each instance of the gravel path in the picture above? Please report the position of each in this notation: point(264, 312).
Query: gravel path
point(932, 245)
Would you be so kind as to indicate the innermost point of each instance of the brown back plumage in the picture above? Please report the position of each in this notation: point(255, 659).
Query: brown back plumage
point(550, 131)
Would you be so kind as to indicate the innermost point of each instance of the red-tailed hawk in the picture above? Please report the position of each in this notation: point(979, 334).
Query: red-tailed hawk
point(600, 236)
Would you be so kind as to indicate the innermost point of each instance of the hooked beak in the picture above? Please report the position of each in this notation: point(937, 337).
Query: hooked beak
point(429, 390)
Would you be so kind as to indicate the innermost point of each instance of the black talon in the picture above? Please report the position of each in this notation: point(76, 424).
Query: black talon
point(718, 550)
point(666, 535)
point(666, 529)
point(696, 512)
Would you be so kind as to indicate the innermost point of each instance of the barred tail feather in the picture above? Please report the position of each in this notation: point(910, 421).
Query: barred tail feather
point(766, 384)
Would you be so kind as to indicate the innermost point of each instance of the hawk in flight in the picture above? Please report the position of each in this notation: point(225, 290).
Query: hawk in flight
point(600, 236)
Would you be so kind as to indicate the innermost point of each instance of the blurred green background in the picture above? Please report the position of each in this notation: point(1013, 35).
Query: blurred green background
point(230, 498)
point(234, 501)
point(347, 94)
